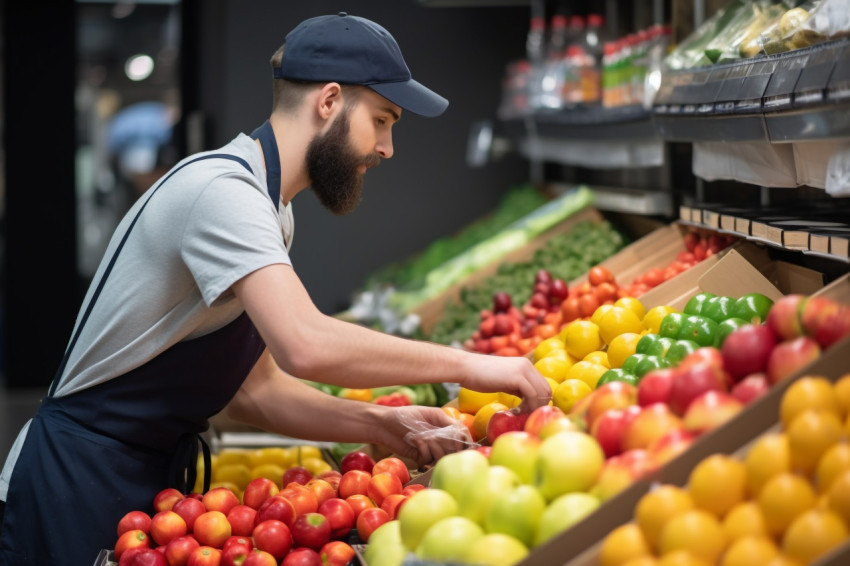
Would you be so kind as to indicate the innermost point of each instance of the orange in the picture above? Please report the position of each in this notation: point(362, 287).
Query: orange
point(581, 337)
point(470, 401)
point(770, 455)
point(623, 543)
point(617, 321)
point(598, 357)
point(842, 393)
point(482, 417)
point(653, 317)
point(682, 558)
point(633, 305)
point(356, 394)
point(813, 534)
point(657, 506)
point(810, 434)
point(838, 495)
point(750, 550)
point(641, 561)
point(555, 368)
point(588, 372)
point(545, 347)
point(569, 392)
point(718, 483)
point(783, 498)
point(622, 347)
point(834, 461)
point(745, 519)
point(808, 392)
point(696, 531)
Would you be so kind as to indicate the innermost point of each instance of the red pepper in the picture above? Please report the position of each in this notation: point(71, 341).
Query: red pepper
point(393, 400)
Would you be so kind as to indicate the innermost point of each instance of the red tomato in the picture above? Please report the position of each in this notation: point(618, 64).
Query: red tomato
point(587, 304)
point(598, 275)
point(569, 309)
point(606, 291)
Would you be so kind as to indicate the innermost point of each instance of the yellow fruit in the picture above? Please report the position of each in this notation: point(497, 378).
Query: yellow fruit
point(783, 498)
point(833, 463)
point(813, 534)
point(271, 471)
point(842, 393)
point(653, 317)
point(696, 531)
point(657, 506)
point(838, 496)
point(237, 474)
point(622, 347)
point(623, 543)
point(633, 304)
point(782, 560)
point(617, 321)
point(303, 451)
point(315, 465)
point(233, 456)
point(199, 475)
point(482, 417)
point(750, 550)
point(581, 337)
point(743, 520)
point(283, 457)
point(545, 347)
point(683, 558)
point(469, 401)
point(569, 392)
point(718, 483)
point(356, 394)
point(808, 392)
point(810, 434)
point(557, 425)
point(641, 561)
point(588, 372)
point(597, 314)
point(555, 368)
point(510, 400)
point(770, 455)
point(598, 357)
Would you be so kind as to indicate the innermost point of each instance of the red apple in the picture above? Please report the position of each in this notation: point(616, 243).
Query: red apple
point(504, 421)
point(710, 410)
point(134, 538)
point(167, 525)
point(165, 499)
point(356, 460)
point(336, 553)
point(235, 555)
point(278, 508)
point(751, 388)
point(220, 499)
point(177, 550)
point(259, 557)
point(273, 537)
point(369, 520)
point(212, 529)
point(653, 422)
point(303, 498)
point(133, 520)
point(381, 485)
point(332, 477)
point(692, 381)
point(610, 428)
point(704, 354)
point(785, 316)
point(321, 489)
point(242, 519)
point(485, 449)
point(670, 445)
point(790, 356)
point(621, 471)
point(354, 482)
point(392, 504)
point(340, 514)
point(540, 416)
point(205, 556)
point(747, 349)
point(246, 543)
point(190, 509)
point(296, 474)
point(655, 386)
point(611, 395)
point(302, 557)
point(412, 488)
point(312, 530)
point(825, 320)
point(393, 465)
point(358, 503)
point(144, 557)
point(258, 490)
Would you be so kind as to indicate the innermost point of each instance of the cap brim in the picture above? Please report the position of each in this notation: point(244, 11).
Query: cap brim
point(413, 97)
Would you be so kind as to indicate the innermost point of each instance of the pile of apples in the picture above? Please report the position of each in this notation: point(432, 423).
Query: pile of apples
point(306, 523)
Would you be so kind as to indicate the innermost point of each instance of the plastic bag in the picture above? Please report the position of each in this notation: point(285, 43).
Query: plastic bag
point(739, 38)
point(690, 52)
point(791, 30)
point(838, 173)
point(456, 436)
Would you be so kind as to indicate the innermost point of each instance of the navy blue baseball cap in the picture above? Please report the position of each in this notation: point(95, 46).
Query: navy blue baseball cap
point(352, 50)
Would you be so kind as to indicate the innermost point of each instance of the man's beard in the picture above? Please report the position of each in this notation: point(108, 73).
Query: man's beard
point(332, 165)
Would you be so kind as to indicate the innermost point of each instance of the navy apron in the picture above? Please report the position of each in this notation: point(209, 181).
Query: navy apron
point(92, 456)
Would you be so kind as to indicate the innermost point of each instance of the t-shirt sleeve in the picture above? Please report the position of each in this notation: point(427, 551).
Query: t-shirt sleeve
point(231, 231)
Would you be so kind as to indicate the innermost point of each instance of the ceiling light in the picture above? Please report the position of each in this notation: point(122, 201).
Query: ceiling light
point(138, 67)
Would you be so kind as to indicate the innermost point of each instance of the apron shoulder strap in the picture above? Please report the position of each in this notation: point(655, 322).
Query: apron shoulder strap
point(114, 257)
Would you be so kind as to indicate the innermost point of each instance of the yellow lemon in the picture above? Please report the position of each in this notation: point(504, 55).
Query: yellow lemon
point(625, 542)
point(598, 357)
point(469, 401)
point(233, 456)
point(315, 465)
point(588, 372)
point(545, 347)
point(580, 338)
point(270, 471)
point(510, 400)
point(633, 305)
point(600, 310)
point(569, 392)
point(617, 321)
point(237, 474)
point(552, 367)
point(283, 457)
point(621, 347)
point(652, 319)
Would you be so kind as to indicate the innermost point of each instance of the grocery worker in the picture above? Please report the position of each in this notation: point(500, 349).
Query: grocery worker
point(196, 307)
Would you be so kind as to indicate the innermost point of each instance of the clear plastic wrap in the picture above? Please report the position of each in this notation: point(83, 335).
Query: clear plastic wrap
point(740, 37)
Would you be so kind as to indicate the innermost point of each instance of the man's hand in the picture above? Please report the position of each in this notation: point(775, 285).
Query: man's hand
point(421, 434)
point(514, 375)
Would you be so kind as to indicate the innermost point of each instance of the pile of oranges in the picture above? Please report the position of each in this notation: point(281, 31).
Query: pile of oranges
point(785, 501)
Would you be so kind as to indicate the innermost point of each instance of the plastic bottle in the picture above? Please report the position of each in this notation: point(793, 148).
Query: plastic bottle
point(595, 36)
point(557, 43)
point(658, 45)
point(552, 78)
point(609, 70)
point(535, 47)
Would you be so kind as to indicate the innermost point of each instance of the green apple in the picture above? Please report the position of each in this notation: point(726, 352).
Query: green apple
point(448, 539)
point(453, 472)
point(516, 512)
point(385, 535)
point(495, 549)
point(565, 511)
point(386, 555)
point(568, 462)
point(517, 450)
point(475, 501)
point(420, 511)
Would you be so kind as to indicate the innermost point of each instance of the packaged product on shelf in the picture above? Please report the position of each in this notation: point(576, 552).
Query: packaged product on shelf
point(690, 52)
point(739, 38)
point(809, 23)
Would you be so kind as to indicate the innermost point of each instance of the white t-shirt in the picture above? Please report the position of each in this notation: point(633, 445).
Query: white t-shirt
point(205, 228)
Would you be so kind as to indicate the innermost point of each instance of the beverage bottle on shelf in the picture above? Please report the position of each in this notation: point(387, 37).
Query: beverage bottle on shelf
point(552, 79)
point(557, 43)
point(595, 36)
point(659, 43)
point(586, 75)
point(640, 61)
point(625, 70)
point(535, 47)
point(610, 61)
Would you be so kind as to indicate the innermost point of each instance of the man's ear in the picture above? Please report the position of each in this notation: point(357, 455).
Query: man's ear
point(329, 99)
